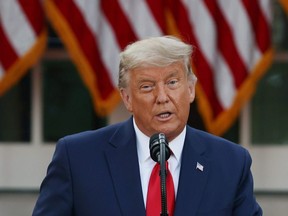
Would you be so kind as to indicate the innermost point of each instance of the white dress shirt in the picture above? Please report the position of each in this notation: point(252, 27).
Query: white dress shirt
point(146, 163)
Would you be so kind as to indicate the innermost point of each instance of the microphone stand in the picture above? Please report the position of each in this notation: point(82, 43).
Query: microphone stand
point(163, 173)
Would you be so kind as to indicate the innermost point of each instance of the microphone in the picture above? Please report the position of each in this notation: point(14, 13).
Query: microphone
point(160, 152)
point(155, 142)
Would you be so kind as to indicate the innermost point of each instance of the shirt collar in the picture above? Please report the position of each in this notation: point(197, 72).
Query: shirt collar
point(176, 145)
point(142, 144)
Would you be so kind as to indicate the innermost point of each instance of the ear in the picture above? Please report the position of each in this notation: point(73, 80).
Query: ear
point(191, 87)
point(126, 98)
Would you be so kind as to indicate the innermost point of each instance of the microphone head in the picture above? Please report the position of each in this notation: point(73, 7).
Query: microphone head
point(154, 146)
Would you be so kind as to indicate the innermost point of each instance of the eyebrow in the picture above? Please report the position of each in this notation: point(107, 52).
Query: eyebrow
point(173, 73)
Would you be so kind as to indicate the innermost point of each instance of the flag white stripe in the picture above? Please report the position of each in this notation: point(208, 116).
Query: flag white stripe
point(141, 18)
point(240, 27)
point(104, 36)
point(109, 48)
point(204, 28)
point(267, 7)
point(224, 83)
point(18, 29)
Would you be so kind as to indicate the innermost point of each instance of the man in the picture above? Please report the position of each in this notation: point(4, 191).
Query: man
point(107, 171)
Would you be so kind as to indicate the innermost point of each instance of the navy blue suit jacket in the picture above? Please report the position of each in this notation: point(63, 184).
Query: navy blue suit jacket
point(97, 173)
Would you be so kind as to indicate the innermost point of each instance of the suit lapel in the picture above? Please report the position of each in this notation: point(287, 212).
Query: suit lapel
point(192, 180)
point(123, 163)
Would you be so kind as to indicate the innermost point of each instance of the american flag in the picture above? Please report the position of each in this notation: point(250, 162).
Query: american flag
point(232, 40)
point(22, 39)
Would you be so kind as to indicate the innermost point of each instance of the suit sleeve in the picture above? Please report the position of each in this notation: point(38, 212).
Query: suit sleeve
point(56, 196)
point(245, 202)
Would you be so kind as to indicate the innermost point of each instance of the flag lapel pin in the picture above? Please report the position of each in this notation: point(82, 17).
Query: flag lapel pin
point(199, 167)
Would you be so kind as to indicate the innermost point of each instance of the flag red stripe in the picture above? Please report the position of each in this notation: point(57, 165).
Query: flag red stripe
point(34, 13)
point(119, 22)
point(204, 71)
point(158, 10)
point(87, 42)
point(226, 44)
point(259, 24)
point(7, 54)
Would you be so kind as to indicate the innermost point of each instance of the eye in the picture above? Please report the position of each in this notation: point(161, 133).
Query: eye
point(173, 83)
point(146, 87)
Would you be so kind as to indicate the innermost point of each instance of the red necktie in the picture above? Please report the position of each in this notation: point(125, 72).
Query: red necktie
point(153, 204)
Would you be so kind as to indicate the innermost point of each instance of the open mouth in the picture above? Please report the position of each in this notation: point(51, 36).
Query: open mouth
point(164, 115)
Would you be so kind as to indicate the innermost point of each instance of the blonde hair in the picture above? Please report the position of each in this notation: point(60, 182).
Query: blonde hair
point(155, 51)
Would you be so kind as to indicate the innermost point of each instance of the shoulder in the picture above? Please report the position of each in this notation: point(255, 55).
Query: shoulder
point(228, 165)
point(216, 147)
point(224, 157)
point(210, 140)
point(96, 138)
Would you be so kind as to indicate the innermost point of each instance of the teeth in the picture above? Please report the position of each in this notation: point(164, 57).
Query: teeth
point(164, 115)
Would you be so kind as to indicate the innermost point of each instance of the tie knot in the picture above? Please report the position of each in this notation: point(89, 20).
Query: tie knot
point(157, 166)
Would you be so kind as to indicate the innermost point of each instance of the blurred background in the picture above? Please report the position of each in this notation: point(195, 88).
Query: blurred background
point(59, 68)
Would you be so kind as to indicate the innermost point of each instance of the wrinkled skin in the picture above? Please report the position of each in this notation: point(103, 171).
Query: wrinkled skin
point(159, 99)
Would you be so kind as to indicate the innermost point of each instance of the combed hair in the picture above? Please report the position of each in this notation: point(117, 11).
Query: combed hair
point(154, 51)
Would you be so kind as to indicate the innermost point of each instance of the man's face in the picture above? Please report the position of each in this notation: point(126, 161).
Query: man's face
point(159, 98)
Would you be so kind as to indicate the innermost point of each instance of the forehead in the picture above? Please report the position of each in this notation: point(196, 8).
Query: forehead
point(154, 72)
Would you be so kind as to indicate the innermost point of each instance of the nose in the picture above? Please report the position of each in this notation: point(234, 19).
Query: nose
point(161, 95)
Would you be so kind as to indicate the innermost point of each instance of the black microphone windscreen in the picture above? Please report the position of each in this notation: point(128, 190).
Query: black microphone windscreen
point(154, 145)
